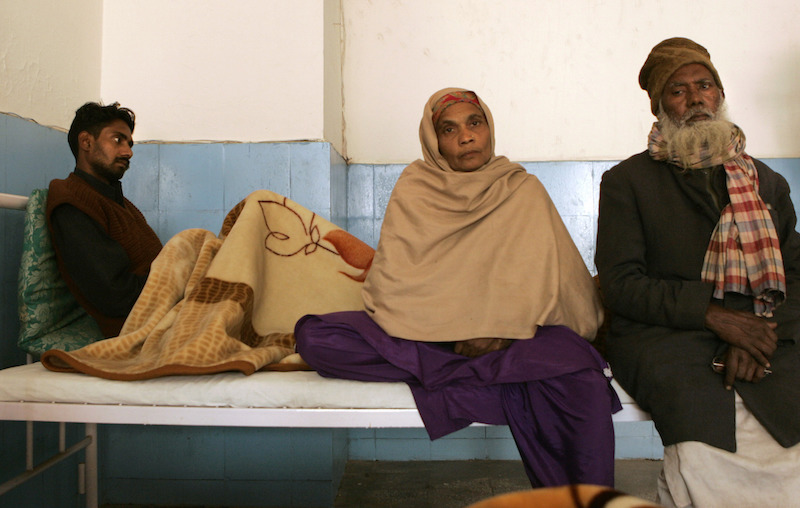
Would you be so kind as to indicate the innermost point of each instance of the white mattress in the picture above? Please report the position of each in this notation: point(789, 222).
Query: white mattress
point(34, 383)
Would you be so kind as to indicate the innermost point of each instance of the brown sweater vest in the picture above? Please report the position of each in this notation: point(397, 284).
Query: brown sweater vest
point(125, 225)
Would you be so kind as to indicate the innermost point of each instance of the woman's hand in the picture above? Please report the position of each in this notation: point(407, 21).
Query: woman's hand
point(744, 330)
point(474, 348)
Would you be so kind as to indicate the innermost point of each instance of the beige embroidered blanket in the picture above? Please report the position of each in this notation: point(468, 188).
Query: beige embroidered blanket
point(230, 302)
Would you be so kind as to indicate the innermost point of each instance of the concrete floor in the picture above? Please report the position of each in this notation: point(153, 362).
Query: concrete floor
point(456, 484)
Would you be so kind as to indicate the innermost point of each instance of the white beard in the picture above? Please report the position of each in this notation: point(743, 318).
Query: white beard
point(687, 140)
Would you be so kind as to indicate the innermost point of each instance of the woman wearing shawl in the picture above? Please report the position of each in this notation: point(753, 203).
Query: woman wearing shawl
point(479, 300)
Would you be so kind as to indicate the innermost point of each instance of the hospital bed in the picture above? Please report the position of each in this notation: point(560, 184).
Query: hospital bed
point(297, 399)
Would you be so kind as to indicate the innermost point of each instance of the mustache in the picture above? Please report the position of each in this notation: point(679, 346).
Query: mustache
point(696, 111)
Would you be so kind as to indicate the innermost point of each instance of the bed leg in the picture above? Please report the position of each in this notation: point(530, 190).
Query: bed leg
point(28, 446)
point(62, 437)
point(91, 466)
point(28, 432)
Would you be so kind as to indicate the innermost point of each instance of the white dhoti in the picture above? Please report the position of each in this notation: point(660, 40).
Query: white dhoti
point(760, 473)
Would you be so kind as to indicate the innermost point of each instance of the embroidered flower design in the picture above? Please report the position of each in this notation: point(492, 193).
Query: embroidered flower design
point(293, 236)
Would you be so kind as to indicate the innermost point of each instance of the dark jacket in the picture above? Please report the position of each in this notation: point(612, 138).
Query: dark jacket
point(103, 245)
point(654, 226)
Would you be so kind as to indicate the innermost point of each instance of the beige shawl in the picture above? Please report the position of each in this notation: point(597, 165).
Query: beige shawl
point(465, 255)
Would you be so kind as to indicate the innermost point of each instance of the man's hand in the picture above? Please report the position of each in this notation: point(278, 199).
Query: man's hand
point(745, 331)
point(739, 364)
point(478, 347)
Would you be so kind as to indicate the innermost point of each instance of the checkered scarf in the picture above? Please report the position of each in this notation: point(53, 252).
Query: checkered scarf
point(744, 254)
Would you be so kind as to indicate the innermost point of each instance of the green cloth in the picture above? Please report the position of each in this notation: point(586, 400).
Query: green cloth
point(49, 315)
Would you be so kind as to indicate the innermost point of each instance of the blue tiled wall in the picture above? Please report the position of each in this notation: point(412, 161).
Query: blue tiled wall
point(199, 466)
point(180, 186)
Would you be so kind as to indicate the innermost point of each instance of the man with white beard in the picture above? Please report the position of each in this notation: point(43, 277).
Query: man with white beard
point(699, 262)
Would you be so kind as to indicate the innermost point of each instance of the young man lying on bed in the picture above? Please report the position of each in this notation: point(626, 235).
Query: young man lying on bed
point(103, 243)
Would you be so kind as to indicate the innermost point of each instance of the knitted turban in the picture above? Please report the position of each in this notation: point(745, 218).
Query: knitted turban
point(667, 57)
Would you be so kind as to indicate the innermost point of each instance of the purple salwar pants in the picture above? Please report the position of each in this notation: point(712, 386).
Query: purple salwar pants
point(550, 390)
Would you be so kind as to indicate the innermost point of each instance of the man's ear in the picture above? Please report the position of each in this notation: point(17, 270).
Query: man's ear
point(85, 141)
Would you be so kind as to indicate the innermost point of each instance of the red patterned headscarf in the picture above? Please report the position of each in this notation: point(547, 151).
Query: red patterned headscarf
point(449, 99)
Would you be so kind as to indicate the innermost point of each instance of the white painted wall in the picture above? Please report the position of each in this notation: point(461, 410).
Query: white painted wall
point(561, 76)
point(49, 58)
point(239, 70)
point(333, 98)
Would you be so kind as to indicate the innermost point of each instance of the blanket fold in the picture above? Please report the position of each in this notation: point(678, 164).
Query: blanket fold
point(215, 303)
